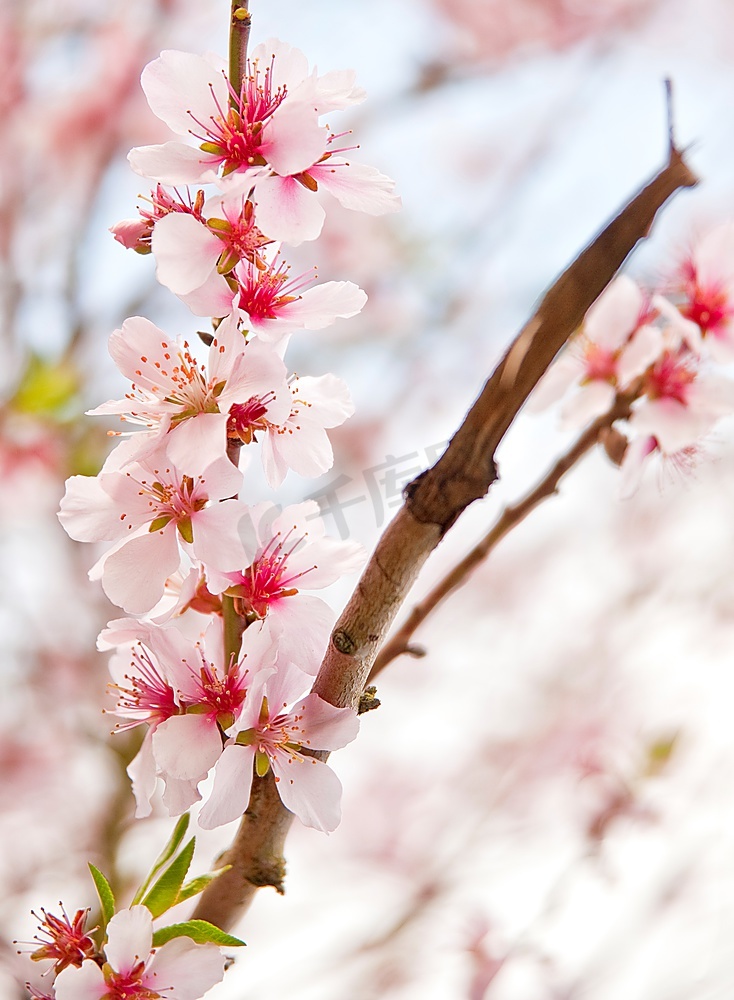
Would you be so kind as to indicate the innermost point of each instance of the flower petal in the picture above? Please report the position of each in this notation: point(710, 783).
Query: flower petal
point(310, 789)
point(186, 252)
point(286, 211)
point(186, 747)
point(134, 574)
point(173, 163)
point(130, 938)
point(183, 88)
point(232, 783)
point(85, 982)
point(185, 968)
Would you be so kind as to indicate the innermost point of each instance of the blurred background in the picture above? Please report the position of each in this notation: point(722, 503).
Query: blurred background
point(544, 804)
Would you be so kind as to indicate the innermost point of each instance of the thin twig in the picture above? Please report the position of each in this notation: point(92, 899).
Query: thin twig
point(510, 518)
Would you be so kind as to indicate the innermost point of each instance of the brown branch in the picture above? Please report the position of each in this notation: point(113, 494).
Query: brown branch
point(256, 857)
point(433, 502)
point(510, 518)
point(239, 36)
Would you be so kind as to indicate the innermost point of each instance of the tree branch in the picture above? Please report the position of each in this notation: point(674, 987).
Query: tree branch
point(433, 502)
point(508, 519)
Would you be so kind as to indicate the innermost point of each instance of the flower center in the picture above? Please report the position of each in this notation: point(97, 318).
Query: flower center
point(670, 377)
point(245, 419)
point(172, 501)
point(130, 987)
point(600, 364)
point(66, 941)
point(149, 698)
point(268, 579)
point(709, 308)
point(191, 390)
point(221, 696)
point(235, 135)
point(274, 734)
point(240, 236)
point(263, 291)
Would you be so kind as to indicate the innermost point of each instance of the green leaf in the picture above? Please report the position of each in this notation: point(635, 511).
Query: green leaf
point(106, 897)
point(198, 884)
point(174, 842)
point(165, 892)
point(46, 388)
point(200, 931)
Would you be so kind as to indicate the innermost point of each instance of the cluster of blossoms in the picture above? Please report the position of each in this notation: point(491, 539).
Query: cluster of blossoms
point(658, 351)
point(189, 563)
point(129, 966)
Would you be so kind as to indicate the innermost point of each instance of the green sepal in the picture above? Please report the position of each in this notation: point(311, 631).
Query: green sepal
point(160, 522)
point(200, 931)
point(219, 225)
point(166, 890)
point(186, 530)
point(262, 763)
point(227, 260)
point(106, 896)
point(211, 147)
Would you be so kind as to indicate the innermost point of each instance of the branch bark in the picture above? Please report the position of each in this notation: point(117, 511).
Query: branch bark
point(433, 502)
point(239, 36)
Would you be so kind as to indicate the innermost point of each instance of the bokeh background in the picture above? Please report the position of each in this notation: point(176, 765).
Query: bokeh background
point(544, 804)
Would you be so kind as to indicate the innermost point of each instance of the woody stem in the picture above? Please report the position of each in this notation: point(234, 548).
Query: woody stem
point(239, 35)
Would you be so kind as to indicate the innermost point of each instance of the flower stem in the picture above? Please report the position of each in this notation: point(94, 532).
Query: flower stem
point(234, 626)
point(239, 35)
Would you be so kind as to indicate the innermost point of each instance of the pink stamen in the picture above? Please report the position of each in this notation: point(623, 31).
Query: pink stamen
point(267, 578)
point(263, 292)
point(149, 698)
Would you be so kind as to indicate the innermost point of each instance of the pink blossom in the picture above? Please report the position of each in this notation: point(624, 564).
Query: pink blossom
point(147, 509)
point(680, 399)
point(706, 280)
point(271, 303)
point(136, 234)
point(301, 442)
point(267, 125)
point(615, 346)
point(272, 134)
point(288, 211)
point(272, 732)
point(179, 970)
point(284, 553)
point(173, 394)
point(186, 591)
point(192, 252)
point(65, 941)
point(642, 450)
point(187, 694)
